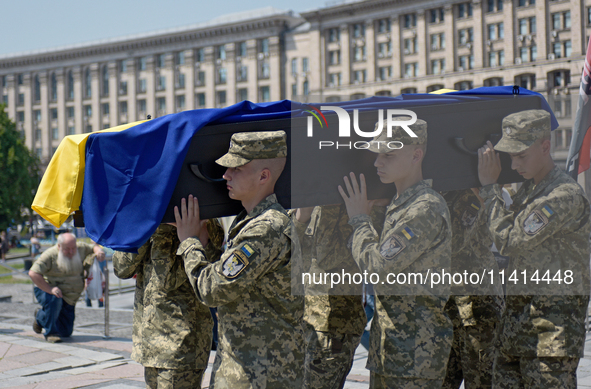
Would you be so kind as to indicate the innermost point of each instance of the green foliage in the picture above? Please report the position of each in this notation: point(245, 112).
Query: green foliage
point(19, 173)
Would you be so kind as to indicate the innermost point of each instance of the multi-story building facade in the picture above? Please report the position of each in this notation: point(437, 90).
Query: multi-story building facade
point(344, 51)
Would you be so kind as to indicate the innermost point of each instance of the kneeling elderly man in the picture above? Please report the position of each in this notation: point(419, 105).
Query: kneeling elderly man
point(58, 276)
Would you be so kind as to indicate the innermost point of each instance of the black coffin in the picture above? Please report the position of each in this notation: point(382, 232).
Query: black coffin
point(312, 173)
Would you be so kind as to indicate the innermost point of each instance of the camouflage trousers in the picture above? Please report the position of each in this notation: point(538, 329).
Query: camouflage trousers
point(157, 378)
point(329, 358)
point(471, 357)
point(378, 381)
point(514, 372)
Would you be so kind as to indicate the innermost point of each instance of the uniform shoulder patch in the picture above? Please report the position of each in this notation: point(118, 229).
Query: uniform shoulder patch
point(536, 221)
point(392, 247)
point(235, 264)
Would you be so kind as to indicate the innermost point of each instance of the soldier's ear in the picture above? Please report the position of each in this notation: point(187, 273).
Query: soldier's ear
point(546, 145)
point(265, 175)
point(417, 155)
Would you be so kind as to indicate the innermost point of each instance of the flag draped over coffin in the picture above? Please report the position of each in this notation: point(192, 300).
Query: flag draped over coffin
point(129, 176)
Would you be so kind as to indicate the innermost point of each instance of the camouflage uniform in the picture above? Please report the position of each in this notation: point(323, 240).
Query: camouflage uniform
point(547, 228)
point(334, 321)
point(475, 310)
point(172, 330)
point(260, 321)
point(411, 336)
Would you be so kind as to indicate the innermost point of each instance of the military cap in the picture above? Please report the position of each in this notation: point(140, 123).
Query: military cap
point(399, 134)
point(522, 129)
point(246, 146)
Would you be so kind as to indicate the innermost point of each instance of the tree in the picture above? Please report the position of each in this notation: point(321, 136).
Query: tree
point(19, 173)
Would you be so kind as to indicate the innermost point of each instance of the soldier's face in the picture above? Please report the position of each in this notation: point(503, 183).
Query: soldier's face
point(528, 163)
point(241, 181)
point(395, 165)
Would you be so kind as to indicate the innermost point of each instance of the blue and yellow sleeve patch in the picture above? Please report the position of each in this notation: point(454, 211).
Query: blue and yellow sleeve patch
point(407, 232)
point(247, 250)
point(547, 211)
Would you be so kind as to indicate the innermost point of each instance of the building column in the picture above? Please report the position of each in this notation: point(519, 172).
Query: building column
point(189, 70)
point(345, 54)
point(25, 88)
point(46, 135)
point(577, 28)
point(509, 42)
point(168, 72)
point(370, 50)
point(61, 103)
point(150, 87)
point(95, 119)
point(275, 68)
point(208, 67)
point(450, 40)
point(114, 79)
point(230, 65)
point(479, 35)
point(422, 40)
point(12, 98)
point(132, 93)
point(78, 115)
point(542, 34)
point(397, 53)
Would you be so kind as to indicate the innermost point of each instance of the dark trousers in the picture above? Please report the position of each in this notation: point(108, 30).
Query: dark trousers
point(55, 315)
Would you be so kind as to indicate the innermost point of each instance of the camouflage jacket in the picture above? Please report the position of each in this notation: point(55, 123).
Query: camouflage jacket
point(71, 285)
point(260, 321)
point(326, 248)
point(171, 328)
point(545, 231)
point(410, 335)
point(471, 243)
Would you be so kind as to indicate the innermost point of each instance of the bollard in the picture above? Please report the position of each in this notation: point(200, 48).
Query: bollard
point(106, 336)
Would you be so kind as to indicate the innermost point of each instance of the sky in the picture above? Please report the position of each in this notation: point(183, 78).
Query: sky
point(27, 25)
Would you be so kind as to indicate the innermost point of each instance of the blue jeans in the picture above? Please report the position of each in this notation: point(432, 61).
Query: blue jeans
point(55, 315)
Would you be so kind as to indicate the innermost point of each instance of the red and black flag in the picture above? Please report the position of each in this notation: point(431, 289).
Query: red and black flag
point(579, 154)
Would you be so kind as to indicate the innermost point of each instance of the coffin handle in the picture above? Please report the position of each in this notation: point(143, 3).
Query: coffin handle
point(196, 169)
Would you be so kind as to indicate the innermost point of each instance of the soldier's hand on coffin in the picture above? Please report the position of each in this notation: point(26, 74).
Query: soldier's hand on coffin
point(356, 196)
point(304, 214)
point(489, 165)
point(187, 219)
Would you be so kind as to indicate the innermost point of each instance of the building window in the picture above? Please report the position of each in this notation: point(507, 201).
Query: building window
point(527, 81)
point(264, 94)
point(264, 46)
point(496, 58)
point(161, 83)
point(53, 113)
point(306, 88)
point(141, 85)
point(54, 134)
point(37, 135)
point(161, 104)
point(494, 81)
point(589, 15)
point(5, 99)
point(37, 86)
point(179, 58)
point(334, 57)
point(438, 66)
point(409, 20)
point(359, 30)
point(567, 48)
point(88, 128)
point(384, 50)
point(200, 100)
point(220, 98)
point(200, 55)
point(222, 72)
point(242, 49)
point(53, 89)
point(242, 94)
point(463, 85)
point(180, 80)
point(383, 26)
point(71, 112)
point(557, 49)
point(71, 130)
point(465, 36)
point(411, 69)
point(294, 90)
point(525, 3)
point(466, 62)
point(105, 109)
point(560, 78)
point(242, 73)
point(123, 88)
point(123, 66)
point(334, 79)
point(294, 66)
point(20, 116)
point(437, 41)
point(87, 83)
point(21, 99)
point(464, 10)
point(123, 107)
point(305, 67)
point(141, 108)
point(411, 46)
point(70, 85)
point(87, 111)
point(433, 88)
point(180, 103)
point(105, 81)
point(359, 53)
point(37, 116)
point(265, 71)
point(384, 73)
point(496, 31)
point(436, 15)
point(160, 60)
point(527, 26)
point(334, 35)
point(19, 79)
point(142, 63)
point(407, 91)
point(200, 79)
point(494, 5)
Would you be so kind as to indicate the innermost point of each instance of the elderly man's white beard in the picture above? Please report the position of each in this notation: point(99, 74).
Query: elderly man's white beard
point(69, 266)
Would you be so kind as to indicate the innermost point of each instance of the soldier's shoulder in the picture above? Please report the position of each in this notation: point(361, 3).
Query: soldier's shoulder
point(565, 186)
point(273, 219)
point(428, 200)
